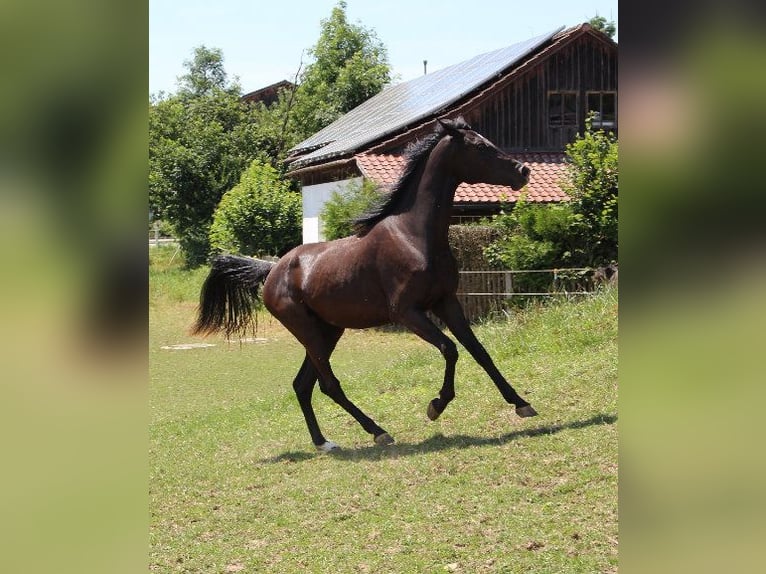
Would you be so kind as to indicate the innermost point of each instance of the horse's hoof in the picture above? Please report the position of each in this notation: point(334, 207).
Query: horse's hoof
point(526, 411)
point(432, 413)
point(384, 439)
point(327, 446)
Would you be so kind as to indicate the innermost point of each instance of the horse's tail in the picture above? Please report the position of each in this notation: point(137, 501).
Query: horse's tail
point(229, 296)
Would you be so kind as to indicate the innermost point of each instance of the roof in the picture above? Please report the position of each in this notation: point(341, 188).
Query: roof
point(547, 172)
point(267, 94)
point(398, 106)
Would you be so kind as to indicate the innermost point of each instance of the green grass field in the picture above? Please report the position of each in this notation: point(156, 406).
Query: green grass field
point(236, 485)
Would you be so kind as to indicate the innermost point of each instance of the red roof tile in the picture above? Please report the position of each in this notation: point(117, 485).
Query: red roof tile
point(547, 170)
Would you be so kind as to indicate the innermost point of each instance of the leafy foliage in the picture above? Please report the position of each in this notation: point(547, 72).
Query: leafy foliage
point(533, 236)
point(350, 66)
point(274, 127)
point(601, 24)
point(200, 142)
point(343, 207)
point(205, 73)
point(593, 185)
point(204, 137)
point(259, 216)
point(579, 233)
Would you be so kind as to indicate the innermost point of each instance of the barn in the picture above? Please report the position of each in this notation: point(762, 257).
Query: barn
point(268, 95)
point(530, 98)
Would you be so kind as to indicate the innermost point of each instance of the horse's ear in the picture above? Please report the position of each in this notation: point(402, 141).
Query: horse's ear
point(449, 126)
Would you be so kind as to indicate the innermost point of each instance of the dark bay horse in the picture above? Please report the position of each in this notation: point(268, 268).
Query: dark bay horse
point(397, 267)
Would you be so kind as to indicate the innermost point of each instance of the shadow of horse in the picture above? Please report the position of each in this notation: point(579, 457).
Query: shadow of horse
point(439, 442)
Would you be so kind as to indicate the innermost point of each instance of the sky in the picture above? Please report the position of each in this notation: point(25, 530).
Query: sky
point(263, 42)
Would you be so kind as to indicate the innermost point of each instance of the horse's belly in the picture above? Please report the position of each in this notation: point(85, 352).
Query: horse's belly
point(350, 310)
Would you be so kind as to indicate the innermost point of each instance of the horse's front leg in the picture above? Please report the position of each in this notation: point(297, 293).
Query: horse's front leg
point(419, 323)
point(451, 312)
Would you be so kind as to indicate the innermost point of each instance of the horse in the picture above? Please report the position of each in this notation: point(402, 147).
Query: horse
point(395, 269)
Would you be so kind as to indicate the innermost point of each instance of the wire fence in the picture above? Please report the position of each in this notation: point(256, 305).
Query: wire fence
point(568, 281)
point(484, 292)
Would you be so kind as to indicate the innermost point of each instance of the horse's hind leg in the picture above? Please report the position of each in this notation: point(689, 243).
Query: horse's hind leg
point(330, 386)
point(304, 388)
point(319, 339)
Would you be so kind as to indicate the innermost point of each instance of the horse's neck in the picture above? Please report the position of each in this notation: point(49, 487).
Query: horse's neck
point(431, 209)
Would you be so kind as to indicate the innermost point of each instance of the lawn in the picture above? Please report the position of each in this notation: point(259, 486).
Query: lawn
point(236, 485)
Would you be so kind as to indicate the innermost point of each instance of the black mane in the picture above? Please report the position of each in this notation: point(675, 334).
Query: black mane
point(416, 154)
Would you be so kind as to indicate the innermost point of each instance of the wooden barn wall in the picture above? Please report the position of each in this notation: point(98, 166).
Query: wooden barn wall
point(516, 118)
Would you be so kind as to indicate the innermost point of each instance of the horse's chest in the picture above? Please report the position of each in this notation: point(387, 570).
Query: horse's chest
point(443, 283)
point(431, 284)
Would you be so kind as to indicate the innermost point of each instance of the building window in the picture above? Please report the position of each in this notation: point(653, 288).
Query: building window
point(562, 109)
point(604, 107)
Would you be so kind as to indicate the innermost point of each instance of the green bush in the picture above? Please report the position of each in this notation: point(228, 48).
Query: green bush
point(593, 187)
point(579, 233)
point(259, 216)
point(534, 236)
point(526, 243)
point(199, 146)
point(344, 206)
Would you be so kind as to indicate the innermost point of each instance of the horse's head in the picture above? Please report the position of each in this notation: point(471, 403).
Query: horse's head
point(478, 160)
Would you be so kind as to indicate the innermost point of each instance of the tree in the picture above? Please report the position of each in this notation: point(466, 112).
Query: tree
point(342, 208)
point(200, 142)
point(261, 215)
point(205, 73)
point(593, 187)
point(350, 66)
point(600, 23)
point(203, 138)
point(276, 132)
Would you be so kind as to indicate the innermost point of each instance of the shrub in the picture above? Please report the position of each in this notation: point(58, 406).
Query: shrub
point(468, 242)
point(344, 206)
point(259, 216)
point(533, 236)
point(579, 233)
point(593, 186)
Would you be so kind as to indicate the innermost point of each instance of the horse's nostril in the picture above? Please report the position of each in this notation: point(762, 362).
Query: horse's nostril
point(525, 171)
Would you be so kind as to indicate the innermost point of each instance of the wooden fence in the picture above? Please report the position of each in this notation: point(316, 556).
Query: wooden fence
point(484, 292)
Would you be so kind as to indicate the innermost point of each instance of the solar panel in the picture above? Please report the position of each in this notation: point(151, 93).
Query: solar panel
point(408, 102)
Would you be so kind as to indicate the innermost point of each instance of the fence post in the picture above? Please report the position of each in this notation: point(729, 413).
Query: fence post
point(508, 284)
